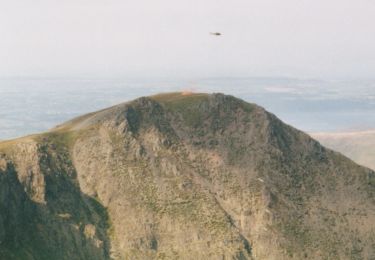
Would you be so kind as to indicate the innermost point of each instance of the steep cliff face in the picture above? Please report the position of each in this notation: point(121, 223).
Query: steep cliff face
point(178, 176)
point(43, 213)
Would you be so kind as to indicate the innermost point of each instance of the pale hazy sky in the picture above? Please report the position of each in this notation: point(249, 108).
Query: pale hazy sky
point(105, 38)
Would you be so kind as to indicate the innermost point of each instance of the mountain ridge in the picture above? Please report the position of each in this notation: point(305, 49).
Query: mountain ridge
point(182, 175)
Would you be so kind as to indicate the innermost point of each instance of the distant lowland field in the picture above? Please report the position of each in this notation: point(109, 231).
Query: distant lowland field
point(359, 146)
point(35, 105)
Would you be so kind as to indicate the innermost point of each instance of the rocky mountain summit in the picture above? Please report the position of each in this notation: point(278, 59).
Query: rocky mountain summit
point(182, 176)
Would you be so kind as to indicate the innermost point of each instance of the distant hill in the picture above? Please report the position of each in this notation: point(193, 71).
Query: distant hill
point(359, 146)
point(182, 176)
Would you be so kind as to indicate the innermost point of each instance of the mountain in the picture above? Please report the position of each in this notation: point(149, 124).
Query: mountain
point(358, 146)
point(182, 176)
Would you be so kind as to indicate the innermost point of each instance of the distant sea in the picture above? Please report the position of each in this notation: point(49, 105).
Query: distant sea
point(35, 105)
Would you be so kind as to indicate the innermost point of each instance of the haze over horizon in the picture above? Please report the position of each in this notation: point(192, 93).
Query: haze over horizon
point(60, 59)
point(302, 39)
